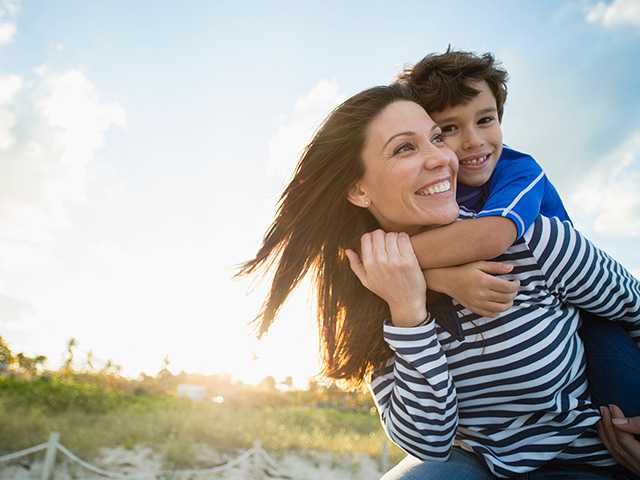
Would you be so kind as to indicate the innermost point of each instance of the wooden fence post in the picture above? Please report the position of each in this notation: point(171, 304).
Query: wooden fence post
point(50, 456)
point(384, 460)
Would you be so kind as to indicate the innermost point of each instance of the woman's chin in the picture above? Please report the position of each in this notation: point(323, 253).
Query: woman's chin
point(437, 219)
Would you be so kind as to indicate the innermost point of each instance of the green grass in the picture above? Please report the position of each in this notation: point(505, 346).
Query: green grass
point(90, 417)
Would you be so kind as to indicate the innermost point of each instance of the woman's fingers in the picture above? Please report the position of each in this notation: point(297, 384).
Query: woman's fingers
point(366, 249)
point(626, 440)
point(356, 265)
point(608, 436)
point(391, 245)
point(405, 247)
point(626, 424)
point(379, 246)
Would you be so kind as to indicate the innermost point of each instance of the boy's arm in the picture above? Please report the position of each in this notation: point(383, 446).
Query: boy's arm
point(464, 242)
point(517, 189)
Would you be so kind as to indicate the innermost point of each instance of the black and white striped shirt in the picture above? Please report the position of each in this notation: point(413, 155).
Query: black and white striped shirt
point(514, 389)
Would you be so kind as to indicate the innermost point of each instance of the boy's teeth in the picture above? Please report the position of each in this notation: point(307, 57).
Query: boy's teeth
point(437, 188)
point(475, 161)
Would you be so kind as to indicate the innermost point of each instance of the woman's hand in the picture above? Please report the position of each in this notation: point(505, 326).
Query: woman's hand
point(617, 433)
point(389, 269)
point(474, 286)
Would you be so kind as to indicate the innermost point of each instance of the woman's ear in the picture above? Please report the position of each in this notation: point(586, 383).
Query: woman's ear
point(358, 196)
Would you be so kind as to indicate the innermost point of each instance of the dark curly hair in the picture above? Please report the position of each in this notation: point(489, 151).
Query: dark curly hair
point(442, 80)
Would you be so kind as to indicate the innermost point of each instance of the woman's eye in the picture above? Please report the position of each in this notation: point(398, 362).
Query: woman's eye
point(437, 139)
point(405, 147)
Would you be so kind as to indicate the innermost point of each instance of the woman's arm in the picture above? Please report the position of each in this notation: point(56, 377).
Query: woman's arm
point(581, 274)
point(414, 394)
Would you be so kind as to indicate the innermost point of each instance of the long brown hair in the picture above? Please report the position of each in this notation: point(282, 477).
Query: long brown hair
point(314, 224)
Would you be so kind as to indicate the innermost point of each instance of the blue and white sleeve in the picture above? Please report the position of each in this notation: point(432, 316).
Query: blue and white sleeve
point(415, 394)
point(516, 191)
point(581, 274)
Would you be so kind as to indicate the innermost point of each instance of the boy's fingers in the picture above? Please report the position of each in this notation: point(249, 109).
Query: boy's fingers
point(496, 267)
point(502, 298)
point(494, 307)
point(503, 286)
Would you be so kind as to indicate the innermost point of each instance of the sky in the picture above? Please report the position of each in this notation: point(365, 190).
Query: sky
point(143, 147)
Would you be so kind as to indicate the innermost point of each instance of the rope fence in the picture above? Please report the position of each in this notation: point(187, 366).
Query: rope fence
point(255, 461)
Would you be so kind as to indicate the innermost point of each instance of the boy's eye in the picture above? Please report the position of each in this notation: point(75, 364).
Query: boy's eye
point(437, 139)
point(403, 147)
point(486, 120)
point(448, 129)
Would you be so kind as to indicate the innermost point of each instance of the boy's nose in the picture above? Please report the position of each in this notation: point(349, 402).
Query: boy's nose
point(472, 140)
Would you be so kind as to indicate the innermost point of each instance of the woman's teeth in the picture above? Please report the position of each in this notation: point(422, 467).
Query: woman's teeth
point(436, 188)
point(474, 161)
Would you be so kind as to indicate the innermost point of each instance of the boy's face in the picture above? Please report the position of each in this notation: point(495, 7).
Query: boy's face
point(473, 131)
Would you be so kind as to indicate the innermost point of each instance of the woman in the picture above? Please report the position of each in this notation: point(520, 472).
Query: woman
point(378, 161)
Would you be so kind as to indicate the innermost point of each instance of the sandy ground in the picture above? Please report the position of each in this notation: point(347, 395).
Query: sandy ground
point(142, 462)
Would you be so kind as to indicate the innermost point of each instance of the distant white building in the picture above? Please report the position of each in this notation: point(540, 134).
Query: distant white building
point(189, 390)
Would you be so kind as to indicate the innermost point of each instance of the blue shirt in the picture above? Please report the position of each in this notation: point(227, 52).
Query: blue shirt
point(518, 189)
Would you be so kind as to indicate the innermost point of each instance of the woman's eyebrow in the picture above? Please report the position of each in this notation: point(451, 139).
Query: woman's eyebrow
point(408, 132)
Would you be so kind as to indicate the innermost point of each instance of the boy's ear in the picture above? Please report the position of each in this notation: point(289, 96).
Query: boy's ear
point(358, 196)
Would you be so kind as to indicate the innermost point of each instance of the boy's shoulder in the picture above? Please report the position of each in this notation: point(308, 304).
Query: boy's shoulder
point(509, 153)
point(514, 162)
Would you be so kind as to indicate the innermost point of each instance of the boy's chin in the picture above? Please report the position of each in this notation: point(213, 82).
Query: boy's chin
point(476, 180)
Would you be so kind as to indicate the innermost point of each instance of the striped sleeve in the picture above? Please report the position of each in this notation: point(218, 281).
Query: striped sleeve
point(581, 274)
point(415, 394)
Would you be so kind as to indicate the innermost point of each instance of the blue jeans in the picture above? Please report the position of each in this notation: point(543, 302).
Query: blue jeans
point(613, 364)
point(464, 465)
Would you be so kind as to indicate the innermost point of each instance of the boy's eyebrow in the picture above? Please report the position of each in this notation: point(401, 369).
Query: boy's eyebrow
point(408, 132)
point(479, 112)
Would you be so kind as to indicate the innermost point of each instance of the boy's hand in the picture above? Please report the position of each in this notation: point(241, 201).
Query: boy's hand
point(474, 286)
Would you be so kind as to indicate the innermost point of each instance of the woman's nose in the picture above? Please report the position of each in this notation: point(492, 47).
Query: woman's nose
point(436, 157)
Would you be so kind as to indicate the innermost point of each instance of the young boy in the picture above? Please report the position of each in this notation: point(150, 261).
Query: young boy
point(465, 94)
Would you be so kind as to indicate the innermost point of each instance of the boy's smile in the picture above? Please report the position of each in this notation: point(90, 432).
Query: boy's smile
point(473, 131)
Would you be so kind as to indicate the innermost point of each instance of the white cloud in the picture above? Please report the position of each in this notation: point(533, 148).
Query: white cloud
point(7, 32)
point(636, 273)
point(618, 12)
point(297, 128)
point(609, 195)
point(8, 12)
point(10, 85)
point(51, 126)
point(45, 150)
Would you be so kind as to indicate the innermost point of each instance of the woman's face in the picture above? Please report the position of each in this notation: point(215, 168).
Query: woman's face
point(410, 174)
